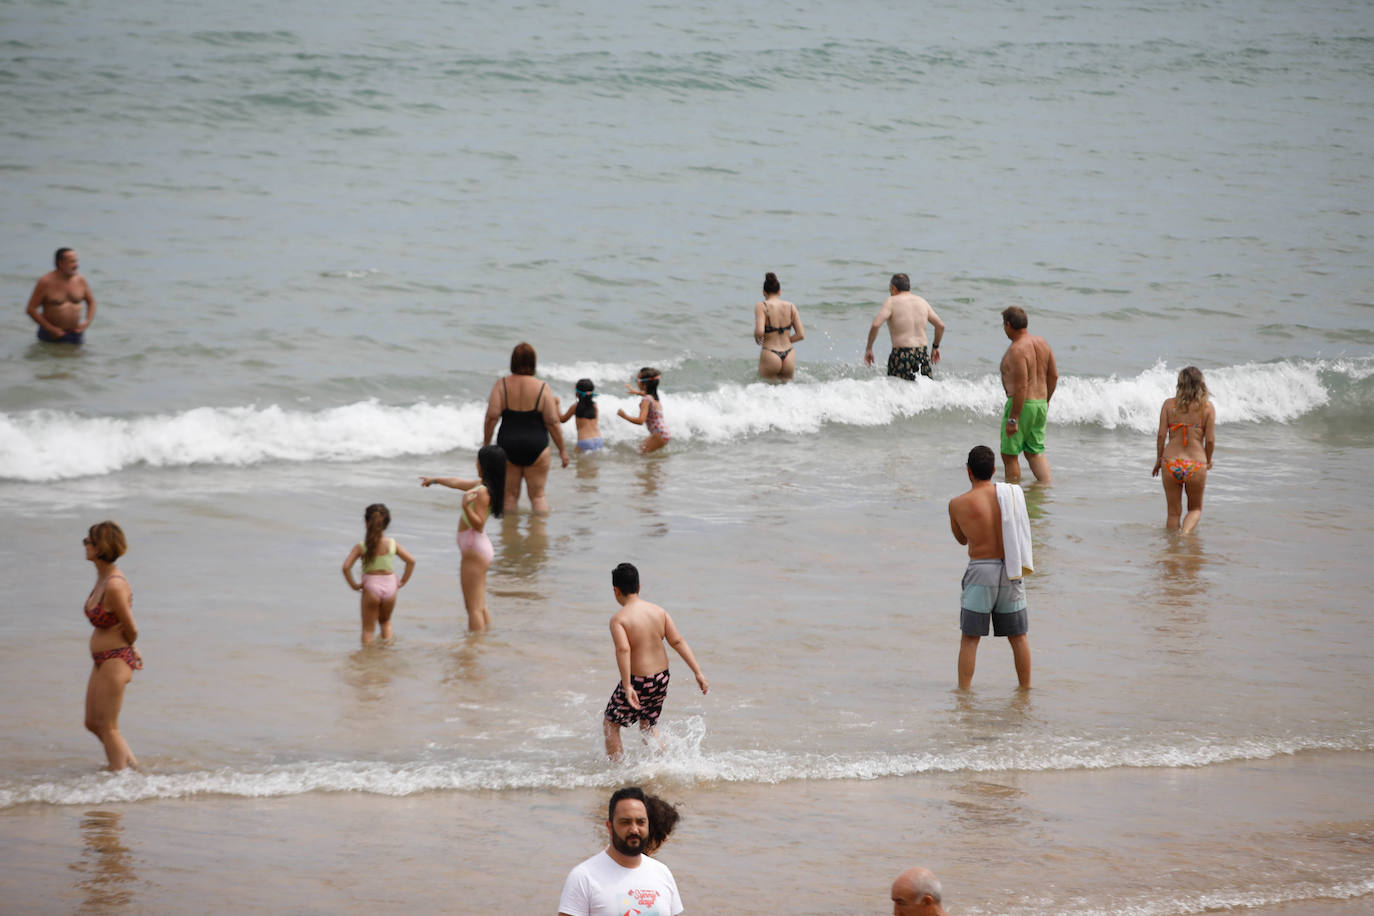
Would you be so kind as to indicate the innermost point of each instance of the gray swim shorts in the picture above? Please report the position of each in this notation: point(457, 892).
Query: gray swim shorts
point(991, 598)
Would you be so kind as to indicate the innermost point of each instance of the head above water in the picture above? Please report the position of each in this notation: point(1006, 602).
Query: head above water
point(649, 378)
point(901, 283)
point(916, 892)
point(61, 255)
point(771, 286)
point(586, 399)
point(106, 539)
point(522, 359)
point(981, 462)
point(626, 578)
point(1192, 390)
point(491, 467)
point(1014, 317)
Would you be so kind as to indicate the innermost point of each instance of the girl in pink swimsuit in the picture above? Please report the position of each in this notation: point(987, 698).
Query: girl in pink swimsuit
point(379, 585)
point(1183, 448)
point(485, 497)
point(109, 608)
point(650, 410)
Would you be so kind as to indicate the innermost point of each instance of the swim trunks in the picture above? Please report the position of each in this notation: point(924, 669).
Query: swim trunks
point(124, 654)
point(590, 445)
point(71, 337)
point(989, 596)
point(652, 690)
point(905, 362)
point(1030, 428)
point(1182, 469)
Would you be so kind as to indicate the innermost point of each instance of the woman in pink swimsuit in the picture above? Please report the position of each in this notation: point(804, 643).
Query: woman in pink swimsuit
point(109, 608)
point(650, 410)
point(485, 497)
point(1183, 448)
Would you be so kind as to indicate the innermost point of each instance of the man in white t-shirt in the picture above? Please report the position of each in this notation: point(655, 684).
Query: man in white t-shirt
point(621, 880)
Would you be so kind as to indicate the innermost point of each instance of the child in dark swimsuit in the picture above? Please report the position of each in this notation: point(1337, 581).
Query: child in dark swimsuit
point(650, 410)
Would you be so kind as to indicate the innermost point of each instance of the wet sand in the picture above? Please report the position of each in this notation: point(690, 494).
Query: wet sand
point(1136, 840)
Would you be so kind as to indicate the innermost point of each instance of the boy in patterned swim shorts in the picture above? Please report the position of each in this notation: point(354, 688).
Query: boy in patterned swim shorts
point(639, 630)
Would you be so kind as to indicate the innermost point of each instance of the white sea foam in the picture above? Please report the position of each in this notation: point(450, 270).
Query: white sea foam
point(684, 761)
point(50, 445)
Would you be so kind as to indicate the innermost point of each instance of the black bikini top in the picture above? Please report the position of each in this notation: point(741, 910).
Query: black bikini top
point(768, 328)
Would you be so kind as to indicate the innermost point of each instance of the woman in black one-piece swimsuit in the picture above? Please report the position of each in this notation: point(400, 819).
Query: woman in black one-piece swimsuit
point(524, 433)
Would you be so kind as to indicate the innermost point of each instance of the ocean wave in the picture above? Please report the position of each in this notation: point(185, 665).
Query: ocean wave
point(683, 762)
point(1219, 901)
point(47, 445)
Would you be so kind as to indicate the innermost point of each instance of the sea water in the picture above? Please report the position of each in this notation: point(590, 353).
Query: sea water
point(315, 235)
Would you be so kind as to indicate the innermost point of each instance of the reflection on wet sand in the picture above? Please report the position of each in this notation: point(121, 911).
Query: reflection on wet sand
point(369, 672)
point(1180, 592)
point(522, 553)
point(105, 862)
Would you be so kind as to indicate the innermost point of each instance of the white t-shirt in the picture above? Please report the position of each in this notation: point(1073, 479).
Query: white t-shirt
point(601, 886)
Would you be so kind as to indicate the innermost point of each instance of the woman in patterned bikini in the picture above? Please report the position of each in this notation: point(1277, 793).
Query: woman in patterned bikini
point(1183, 448)
point(109, 608)
point(777, 360)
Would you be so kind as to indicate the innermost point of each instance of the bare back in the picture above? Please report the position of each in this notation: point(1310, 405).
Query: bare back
point(909, 315)
point(645, 625)
point(976, 520)
point(1030, 362)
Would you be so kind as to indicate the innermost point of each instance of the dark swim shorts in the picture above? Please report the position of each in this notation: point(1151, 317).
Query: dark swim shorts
point(71, 337)
point(652, 690)
point(905, 362)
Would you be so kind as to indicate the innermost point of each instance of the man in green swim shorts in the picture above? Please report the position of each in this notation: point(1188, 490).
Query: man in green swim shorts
point(1028, 377)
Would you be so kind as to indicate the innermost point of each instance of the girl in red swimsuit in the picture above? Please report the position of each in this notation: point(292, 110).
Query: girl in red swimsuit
point(1183, 448)
point(109, 608)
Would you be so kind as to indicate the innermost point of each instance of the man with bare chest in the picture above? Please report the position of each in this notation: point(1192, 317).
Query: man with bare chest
point(1028, 377)
point(55, 305)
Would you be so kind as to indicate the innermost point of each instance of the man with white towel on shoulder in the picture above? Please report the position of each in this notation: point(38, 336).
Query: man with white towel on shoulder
point(992, 520)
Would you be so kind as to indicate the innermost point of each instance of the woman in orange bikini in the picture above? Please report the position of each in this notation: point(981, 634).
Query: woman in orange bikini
point(1187, 435)
point(109, 608)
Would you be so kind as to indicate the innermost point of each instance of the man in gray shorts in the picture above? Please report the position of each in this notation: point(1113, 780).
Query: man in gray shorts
point(990, 597)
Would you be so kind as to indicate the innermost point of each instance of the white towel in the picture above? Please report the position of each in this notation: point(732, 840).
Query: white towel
point(1016, 533)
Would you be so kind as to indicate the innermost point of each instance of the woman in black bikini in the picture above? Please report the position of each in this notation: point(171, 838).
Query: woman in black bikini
point(774, 317)
point(109, 608)
point(528, 415)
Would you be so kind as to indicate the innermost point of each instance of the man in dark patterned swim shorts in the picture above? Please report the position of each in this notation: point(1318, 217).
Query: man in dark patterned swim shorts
point(906, 316)
point(906, 362)
point(651, 690)
point(638, 630)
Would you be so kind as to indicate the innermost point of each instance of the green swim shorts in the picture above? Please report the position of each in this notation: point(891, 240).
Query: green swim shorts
point(1030, 428)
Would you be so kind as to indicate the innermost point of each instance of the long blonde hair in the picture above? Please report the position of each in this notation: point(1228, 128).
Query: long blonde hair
point(1191, 389)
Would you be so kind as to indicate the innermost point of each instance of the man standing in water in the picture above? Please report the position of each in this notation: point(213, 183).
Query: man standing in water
point(916, 892)
point(622, 878)
point(1028, 377)
point(989, 595)
point(638, 630)
point(906, 316)
point(55, 305)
